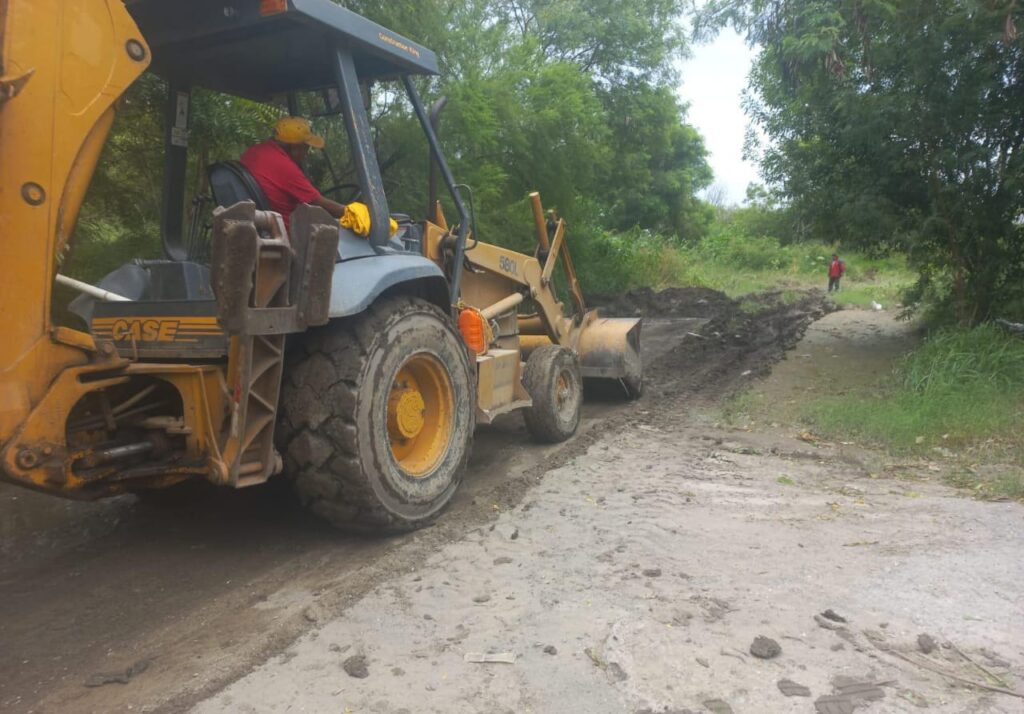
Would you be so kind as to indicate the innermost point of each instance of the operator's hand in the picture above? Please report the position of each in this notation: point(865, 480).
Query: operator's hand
point(357, 219)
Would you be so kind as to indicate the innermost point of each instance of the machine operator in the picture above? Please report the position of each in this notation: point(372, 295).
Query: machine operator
point(276, 165)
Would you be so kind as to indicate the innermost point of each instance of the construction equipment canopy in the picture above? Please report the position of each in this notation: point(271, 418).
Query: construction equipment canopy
point(259, 49)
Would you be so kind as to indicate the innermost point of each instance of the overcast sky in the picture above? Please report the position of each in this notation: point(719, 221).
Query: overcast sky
point(712, 82)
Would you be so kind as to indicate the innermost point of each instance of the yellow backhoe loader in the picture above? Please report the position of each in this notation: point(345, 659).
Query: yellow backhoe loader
point(358, 366)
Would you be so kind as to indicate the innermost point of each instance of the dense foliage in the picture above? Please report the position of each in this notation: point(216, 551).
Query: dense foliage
point(573, 98)
point(899, 125)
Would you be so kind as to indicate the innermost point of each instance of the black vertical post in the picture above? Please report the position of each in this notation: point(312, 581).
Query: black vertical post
point(357, 124)
point(177, 121)
point(449, 182)
point(435, 123)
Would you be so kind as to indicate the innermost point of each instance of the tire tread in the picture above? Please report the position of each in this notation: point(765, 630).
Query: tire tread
point(336, 488)
point(541, 419)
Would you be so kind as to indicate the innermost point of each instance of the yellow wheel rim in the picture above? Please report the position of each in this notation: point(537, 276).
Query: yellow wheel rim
point(562, 392)
point(421, 411)
point(565, 394)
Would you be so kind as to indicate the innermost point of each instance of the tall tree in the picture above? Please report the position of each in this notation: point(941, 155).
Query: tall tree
point(567, 97)
point(572, 98)
point(659, 166)
point(899, 124)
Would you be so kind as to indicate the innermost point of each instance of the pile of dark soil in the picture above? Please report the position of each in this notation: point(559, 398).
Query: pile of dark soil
point(740, 341)
point(671, 302)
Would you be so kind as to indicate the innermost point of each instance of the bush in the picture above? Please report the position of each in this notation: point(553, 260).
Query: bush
point(609, 263)
point(744, 253)
point(985, 358)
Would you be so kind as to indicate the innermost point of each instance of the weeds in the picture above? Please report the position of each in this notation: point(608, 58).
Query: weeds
point(985, 357)
point(610, 263)
point(960, 395)
point(732, 262)
point(1006, 484)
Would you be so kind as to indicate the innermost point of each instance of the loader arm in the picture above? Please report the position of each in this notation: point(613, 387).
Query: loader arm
point(527, 272)
point(609, 348)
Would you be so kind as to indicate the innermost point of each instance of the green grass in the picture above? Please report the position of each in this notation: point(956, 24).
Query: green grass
point(882, 290)
point(610, 263)
point(734, 263)
point(960, 395)
point(738, 265)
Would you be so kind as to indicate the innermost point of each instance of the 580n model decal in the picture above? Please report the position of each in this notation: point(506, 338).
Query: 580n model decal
point(508, 265)
point(153, 329)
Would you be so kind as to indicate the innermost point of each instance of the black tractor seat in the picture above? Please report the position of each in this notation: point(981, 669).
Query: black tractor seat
point(231, 183)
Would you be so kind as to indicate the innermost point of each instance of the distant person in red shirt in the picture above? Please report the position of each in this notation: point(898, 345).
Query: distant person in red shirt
point(276, 164)
point(835, 271)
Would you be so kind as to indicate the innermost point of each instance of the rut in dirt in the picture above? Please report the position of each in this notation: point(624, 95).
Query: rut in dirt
point(742, 338)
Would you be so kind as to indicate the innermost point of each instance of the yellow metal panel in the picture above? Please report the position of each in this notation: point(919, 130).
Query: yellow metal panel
point(432, 237)
point(74, 338)
point(520, 269)
point(76, 56)
point(484, 381)
point(14, 405)
point(33, 371)
point(79, 178)
point(499, 372)
point(39, 454)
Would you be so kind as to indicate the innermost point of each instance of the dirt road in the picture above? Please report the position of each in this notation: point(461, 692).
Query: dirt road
point(628, 570)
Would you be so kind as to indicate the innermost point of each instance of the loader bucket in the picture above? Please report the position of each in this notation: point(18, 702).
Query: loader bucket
point(609, 348)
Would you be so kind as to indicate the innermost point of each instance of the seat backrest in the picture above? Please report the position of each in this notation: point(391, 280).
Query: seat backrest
point(232, 183)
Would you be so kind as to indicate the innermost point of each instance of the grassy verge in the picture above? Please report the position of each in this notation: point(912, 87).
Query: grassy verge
point(734, 263)
point(960, 397)
point(738, 265)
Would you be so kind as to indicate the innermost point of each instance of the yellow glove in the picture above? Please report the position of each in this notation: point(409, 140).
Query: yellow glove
point(357, 219)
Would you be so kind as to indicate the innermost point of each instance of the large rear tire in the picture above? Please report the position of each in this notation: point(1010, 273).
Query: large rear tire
point(552, 379)
point(377, 417)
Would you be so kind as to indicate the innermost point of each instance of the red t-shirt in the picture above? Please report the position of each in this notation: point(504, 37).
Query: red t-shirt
point(836, 269)
point(281, 179)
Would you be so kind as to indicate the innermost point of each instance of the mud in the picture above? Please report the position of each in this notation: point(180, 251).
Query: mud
point(741, 340)
point(241, 602)
point(672, 302)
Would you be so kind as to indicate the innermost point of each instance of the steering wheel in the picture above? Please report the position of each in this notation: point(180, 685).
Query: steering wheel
point(355, 189)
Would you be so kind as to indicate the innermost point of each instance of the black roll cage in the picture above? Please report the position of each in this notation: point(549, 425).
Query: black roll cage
point(242, 49)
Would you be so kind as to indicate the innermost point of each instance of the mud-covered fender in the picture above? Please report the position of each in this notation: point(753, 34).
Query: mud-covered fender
point(357, 283)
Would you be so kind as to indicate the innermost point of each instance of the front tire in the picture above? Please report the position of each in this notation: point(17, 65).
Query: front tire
point(377, 417)
point(552, 379)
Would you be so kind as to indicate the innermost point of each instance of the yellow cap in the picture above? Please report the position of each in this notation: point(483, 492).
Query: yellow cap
point(296, 130)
